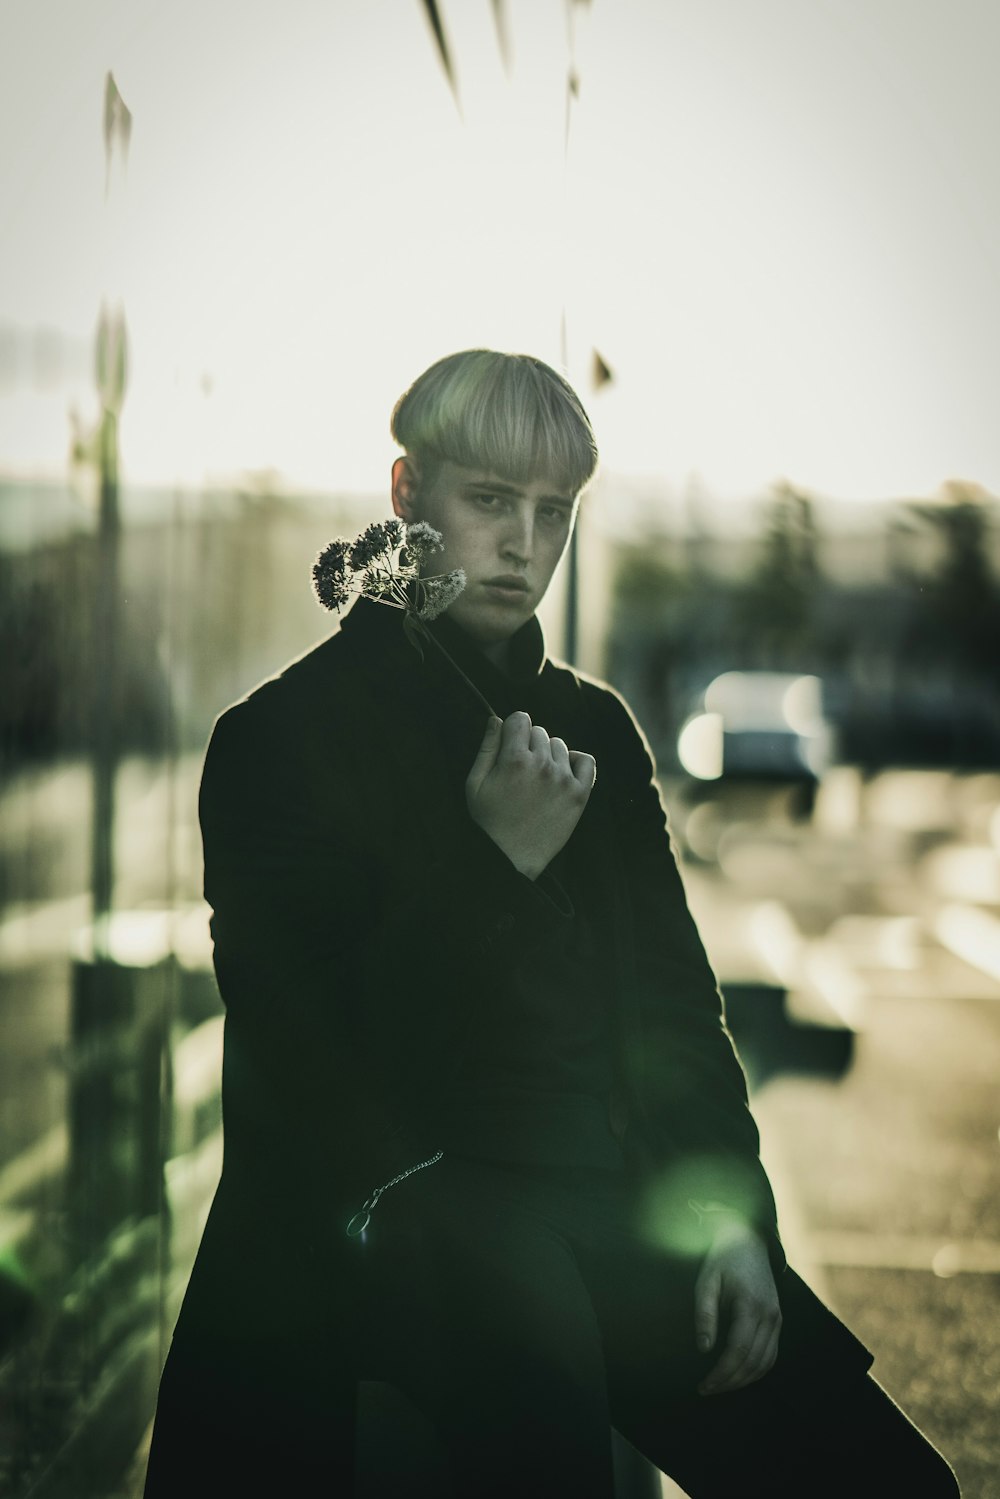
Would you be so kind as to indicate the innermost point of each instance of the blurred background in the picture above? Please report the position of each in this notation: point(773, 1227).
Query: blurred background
point(763, 243)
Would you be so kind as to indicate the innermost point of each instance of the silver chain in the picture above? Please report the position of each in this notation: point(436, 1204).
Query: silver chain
point(362, 1218)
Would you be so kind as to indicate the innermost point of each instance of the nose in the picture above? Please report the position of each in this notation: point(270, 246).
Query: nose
point(517, 541)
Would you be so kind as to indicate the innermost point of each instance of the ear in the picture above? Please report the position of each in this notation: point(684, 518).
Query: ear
point(405, 483)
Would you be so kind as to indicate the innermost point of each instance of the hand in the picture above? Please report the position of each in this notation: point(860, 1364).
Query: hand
point(736, 1280)
point(528, 791)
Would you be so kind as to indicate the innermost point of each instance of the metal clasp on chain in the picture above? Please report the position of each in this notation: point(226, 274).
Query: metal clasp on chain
point(362, 1218)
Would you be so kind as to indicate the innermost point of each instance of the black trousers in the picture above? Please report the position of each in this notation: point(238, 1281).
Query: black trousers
point(526, 1312)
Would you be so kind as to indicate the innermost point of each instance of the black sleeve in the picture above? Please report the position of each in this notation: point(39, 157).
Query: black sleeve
point(692, 1088)
point(344, 947)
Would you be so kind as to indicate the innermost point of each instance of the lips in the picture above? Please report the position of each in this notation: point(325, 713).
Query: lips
point(509, 582)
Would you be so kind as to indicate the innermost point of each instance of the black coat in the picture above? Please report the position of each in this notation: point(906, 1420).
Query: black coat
point(364, 925)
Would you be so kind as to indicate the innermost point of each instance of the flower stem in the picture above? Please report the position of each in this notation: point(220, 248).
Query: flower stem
point(429, 635)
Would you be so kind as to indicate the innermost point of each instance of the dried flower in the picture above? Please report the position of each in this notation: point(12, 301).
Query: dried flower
point(435, 594)
point(421, 541)
point(375, 585)
point(372, 543)
point(330, 576)
point(383, 564)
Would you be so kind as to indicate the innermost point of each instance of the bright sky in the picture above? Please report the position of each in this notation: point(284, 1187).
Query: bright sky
point(779, 223)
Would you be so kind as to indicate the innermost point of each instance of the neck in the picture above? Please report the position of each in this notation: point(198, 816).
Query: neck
point(498, 653)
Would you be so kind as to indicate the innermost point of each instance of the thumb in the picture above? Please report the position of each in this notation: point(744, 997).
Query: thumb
point(486, 754)
point(706, 1309)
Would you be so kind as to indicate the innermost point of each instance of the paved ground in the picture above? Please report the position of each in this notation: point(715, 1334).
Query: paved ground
point(890, 1178)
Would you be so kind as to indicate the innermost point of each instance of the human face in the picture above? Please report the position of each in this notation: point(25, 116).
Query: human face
point(508, 537)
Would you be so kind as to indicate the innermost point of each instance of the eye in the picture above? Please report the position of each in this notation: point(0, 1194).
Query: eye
point(488, 501)
point(554, 514)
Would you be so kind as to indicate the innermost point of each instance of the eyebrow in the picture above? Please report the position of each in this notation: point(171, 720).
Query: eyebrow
point(498, 486)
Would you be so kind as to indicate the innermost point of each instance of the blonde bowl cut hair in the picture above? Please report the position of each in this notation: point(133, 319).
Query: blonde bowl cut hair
point(511, 415)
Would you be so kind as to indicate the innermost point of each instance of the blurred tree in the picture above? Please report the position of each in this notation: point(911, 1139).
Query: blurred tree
point(773, 613)
point(958, 602)
point(646, 584)
point(654, 605)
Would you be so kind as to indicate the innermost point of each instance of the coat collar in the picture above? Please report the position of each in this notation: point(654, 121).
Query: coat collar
point(376, 632)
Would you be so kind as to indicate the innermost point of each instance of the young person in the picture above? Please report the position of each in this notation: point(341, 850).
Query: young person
point(459, 967)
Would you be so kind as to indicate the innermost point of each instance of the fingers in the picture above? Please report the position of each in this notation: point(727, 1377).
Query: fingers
point(516, 736)
point(706, 1308)
point(521, 737)
point(560, 754)
point(529, 793)
point(538, 742)
point(750, 1351)
point(584, 768)
point(739, 1341)
point(486, 755)
point(757, 1363)
point(752, 1365)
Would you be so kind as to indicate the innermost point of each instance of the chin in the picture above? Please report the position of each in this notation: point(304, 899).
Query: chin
point(491, 627)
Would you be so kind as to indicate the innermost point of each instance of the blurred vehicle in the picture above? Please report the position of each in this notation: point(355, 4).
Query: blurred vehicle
point(754, 750)
point(757, 742)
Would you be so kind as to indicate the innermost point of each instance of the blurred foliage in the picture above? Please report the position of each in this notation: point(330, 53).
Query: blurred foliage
point(47, 640)
point(649, 583)
point(956, 607)
point(774, 608)
point(214, 594)
point(908, 658)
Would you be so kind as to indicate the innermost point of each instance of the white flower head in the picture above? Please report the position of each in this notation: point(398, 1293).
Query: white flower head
point(420, 541)
point(437, 594)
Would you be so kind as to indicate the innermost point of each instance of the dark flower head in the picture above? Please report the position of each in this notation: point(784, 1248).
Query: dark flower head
point(331, 580)
point(374, 541)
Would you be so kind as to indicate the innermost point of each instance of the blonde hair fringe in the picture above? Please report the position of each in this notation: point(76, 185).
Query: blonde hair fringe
point(510, 414)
